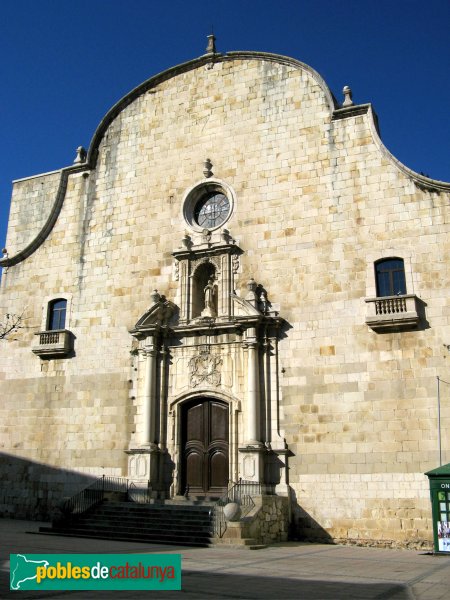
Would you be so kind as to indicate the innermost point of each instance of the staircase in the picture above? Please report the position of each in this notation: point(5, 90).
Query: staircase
point(182, 524)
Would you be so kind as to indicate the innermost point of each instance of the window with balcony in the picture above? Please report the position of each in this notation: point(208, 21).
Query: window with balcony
point(55, 341)
point(392, 309)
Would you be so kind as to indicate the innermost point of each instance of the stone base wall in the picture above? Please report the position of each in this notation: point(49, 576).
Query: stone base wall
point(382, 510)
point(33, 491)
point(267, 523)
point(271, 523)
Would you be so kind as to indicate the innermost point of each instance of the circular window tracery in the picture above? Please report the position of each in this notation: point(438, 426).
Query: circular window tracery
point(211, 210)
point(208, 205)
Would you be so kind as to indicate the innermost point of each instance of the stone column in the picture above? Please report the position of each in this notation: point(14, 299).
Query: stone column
point(252, 454)
point(149, 408)
point(143, 461)
point(253, 425)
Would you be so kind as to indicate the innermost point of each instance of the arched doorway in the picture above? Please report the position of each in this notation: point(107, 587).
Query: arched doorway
point(205, 447)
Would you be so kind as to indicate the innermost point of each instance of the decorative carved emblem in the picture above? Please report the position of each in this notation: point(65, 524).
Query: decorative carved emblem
point(176, 271)
point(204, 368)
point(235, 261)
point(205, 260)
point(206, 236)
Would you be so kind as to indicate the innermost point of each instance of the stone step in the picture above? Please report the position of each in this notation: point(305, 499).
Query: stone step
point(142, 520)
point(132, 532)
point(175, 524)
point(142, 508)
point(148, 517)
point(191, 501)
point(148, 539)
point(96, 523)
point(247, 543)
point(160, 533)
point(155, 508)
point(155, 514)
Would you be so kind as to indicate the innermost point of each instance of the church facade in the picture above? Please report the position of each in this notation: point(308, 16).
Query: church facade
point(236, 280)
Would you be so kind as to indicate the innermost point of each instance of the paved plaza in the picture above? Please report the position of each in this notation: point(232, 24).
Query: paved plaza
point(290, 570)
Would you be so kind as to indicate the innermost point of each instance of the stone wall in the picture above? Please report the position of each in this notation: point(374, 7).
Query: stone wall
point(31, 205)
point(271, 522)
point(384, 510)
point(267, 523)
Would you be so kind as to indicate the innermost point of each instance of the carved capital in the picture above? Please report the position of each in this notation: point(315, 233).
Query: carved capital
point(149, 350)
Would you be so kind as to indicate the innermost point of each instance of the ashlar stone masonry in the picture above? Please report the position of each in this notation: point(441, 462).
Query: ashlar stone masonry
point(245, 284)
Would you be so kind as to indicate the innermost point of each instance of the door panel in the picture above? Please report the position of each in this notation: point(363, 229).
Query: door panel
point(195, 429)
point(194, 469)
point(205, 447)
point(219, 422)
point(218, 470)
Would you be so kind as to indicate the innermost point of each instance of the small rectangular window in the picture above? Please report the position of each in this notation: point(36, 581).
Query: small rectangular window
point(57, 314)
point(390, 277)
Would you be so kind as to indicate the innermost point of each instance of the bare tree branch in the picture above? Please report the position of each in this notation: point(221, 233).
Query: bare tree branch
point(9, 324)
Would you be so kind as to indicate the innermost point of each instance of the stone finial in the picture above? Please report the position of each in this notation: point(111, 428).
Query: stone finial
point(81, 156)
point(226, 236)
point(251, 285)
point(264, 302)
point(211, 47)
point(186, 241)
point(155, 297)
point(251, 294)
point(348, 98)
point(207, 166)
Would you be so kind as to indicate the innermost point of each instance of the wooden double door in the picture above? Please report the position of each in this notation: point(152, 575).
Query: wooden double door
point(205, 447)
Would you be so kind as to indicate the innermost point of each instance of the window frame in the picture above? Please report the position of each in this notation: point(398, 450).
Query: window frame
point(380, 285)
point(59, 312)
point(45, 308)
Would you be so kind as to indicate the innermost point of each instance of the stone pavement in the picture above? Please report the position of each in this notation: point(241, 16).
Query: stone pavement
point(284, 571)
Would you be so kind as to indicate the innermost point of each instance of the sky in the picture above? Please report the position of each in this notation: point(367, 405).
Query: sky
point(63, 64)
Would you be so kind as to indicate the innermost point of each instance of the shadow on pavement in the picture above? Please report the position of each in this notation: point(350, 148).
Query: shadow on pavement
point(198, 585)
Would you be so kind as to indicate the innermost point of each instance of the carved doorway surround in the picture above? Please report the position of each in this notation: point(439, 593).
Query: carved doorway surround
point(206, 381)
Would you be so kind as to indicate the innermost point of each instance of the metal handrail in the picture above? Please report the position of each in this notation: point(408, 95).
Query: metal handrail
point(93, 494)
point(140, 495)
point(241, 493)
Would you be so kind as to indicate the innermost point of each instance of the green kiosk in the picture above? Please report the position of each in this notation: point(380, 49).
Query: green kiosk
point(440, 501)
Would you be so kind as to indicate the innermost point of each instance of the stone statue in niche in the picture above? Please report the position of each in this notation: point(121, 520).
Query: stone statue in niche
point(210, 299)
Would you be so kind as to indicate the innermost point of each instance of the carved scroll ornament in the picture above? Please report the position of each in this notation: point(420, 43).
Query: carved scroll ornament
point(203, 368)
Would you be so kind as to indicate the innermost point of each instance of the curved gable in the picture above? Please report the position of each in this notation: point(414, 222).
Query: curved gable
point(207, 61)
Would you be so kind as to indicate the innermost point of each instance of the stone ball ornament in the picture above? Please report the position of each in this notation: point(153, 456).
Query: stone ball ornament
point(232, 511)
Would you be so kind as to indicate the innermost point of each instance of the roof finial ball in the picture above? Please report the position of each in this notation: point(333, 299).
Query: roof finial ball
point(348, 98)
point(211, 47)
point(81, 156)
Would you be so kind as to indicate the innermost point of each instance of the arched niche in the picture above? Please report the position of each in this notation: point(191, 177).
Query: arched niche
point(204, 291)
point(215, 256)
